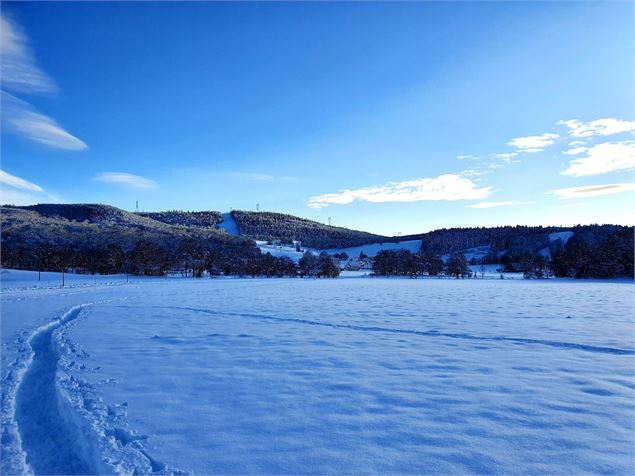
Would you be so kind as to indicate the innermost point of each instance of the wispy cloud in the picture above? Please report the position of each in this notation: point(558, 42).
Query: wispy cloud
point(599, 127)
point(17, 182)
point(18, 191)
point(126, 179)
point(533, 144)
point(443, 187)
point(498, 204)
point(254, 177)
point(603, 158)
point(20, 117)
point(593, 190)
point(505, 156)
point(21, 74)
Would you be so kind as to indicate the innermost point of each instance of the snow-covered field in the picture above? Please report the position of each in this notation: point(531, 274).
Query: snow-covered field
point(291, 376)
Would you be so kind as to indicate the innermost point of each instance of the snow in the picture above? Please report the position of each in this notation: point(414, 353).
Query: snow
point(561, 235)
point(17, 279)
point(372, 249)
point(279, 250)
point(229, 224)
point(308, 376)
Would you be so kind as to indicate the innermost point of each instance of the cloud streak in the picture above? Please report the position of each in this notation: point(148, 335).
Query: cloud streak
point(21, 74)
point(603, 158)
point(16, 182)
point(593, 190)
point(599, 127)
point(498, 204)
point(443, 187)
point(18, 191)
point(126, 179)
point(20, 117)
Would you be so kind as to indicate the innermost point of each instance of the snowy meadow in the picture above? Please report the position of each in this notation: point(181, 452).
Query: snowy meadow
point(307, 376)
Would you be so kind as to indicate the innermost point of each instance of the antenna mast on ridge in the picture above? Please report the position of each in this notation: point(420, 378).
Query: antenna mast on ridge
point(137, 207)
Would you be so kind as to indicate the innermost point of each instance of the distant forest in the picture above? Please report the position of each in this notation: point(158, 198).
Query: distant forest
point(104, 239)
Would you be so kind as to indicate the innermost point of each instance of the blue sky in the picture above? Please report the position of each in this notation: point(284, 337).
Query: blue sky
point(392, 118)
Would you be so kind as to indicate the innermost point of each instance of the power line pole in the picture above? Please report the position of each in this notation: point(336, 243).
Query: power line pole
point(137, 207)
point(329, 221)
point(257, 207)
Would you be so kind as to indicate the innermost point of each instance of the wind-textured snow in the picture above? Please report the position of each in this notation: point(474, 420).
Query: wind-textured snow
point(299, 376)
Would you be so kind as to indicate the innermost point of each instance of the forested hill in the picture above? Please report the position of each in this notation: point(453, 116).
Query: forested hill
point(498, 239)
point(106, 239)
point(280, 226)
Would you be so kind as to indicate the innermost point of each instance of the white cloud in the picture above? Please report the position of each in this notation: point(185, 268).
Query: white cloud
point(498, 204)
point(443, 187)
point(576, 150)
point(593, 190)
point(17, 182)
point(129, 180)
point(599, 127)
point(533, 143)
point(20, 71)
point(603, 158)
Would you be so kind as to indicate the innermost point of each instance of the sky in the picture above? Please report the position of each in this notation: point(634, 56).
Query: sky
point(395, 118)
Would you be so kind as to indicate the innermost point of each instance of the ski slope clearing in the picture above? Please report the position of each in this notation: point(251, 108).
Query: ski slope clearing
point(372, 249)
point(562, 235)
point(292, 376)
point(229, 224)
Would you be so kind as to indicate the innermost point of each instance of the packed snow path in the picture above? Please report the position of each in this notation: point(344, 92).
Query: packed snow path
point(50, 442)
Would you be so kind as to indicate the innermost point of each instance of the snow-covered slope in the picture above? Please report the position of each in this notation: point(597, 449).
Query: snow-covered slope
point(280, 250)
point(374, 248)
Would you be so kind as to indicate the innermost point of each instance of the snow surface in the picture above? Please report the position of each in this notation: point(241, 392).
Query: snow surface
point(561, 235)
point(373, 248)
point(280, 250)
point(307, 376)
point(229, 224)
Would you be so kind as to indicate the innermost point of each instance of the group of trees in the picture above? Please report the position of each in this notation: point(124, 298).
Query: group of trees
point(286, 228)
point(604, 251)
point(177, 217)
point(405, 263)
point(322, 266)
